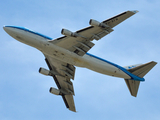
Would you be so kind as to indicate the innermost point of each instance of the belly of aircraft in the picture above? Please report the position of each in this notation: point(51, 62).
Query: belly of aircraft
point(101, 67)
point(70, 57)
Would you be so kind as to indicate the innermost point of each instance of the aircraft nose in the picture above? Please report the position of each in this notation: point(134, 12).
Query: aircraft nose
point(7, 29)
point(11, 31)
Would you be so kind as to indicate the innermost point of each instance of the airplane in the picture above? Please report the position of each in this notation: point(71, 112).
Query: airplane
point(70, 50)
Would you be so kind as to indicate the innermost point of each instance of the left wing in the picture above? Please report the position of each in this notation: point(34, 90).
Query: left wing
point(80, 41)
point(63, 72)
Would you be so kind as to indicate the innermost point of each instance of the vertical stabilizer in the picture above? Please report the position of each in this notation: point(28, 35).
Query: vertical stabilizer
point(139, 71)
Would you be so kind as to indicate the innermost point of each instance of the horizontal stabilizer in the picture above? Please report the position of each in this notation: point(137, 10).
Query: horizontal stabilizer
point(133, 86)
point(139, 71)
point(142, 70)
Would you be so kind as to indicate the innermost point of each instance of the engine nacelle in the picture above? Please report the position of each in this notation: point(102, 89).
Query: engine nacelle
point(69, 33)
point(44, 71)
point(54, 91)
point(97, 23)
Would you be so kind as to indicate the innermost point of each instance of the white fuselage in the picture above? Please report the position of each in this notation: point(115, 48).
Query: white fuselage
point(88, 61)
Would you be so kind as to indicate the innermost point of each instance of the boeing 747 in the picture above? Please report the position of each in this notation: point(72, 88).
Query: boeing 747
point(64, 53)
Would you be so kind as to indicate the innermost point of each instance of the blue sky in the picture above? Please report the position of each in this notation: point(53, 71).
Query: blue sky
point(24, 92)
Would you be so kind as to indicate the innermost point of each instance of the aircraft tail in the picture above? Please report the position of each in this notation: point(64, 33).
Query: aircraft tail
point(139, 71)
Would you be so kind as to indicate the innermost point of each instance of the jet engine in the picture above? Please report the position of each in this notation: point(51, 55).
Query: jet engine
point(97, 23)
point(44, 71)
point(69, 33)
point(54, 91)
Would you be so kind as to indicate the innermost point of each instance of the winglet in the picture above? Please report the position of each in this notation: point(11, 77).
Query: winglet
point(135, 11)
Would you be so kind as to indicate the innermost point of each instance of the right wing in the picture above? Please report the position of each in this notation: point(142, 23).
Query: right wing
point(63, 73)
point(82, 44)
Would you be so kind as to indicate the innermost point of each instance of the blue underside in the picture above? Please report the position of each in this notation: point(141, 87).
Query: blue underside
point(133, 77)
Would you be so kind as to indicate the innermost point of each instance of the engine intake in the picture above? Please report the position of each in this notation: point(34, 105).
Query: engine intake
point(97, 23)
point(54, 91)
point(48, 72)
point(45, 71)
point(69, 33)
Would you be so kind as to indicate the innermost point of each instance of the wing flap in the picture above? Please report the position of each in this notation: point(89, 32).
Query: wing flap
point(77, 45)
point(82, 48)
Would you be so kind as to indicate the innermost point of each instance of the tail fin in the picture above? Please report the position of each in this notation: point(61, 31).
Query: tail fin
point(139, 71)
